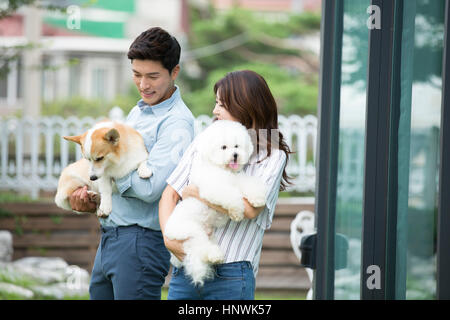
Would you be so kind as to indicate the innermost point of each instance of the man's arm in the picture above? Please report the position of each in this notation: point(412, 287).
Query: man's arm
point(167, 204)
point(163, 158)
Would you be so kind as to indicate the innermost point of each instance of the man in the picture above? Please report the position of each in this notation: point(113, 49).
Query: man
point(132, 261)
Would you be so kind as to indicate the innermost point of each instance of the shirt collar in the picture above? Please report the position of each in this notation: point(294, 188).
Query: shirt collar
point(162, 107)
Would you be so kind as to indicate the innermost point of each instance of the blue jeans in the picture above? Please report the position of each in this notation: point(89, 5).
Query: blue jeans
point(232, 281)
point(131, 264)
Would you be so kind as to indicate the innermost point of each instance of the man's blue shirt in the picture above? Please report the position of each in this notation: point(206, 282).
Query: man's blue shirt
point(167, 129)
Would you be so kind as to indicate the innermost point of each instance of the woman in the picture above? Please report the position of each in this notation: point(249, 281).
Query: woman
point(242, 96)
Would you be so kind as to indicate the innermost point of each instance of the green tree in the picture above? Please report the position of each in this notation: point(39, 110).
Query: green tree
point(239, 39)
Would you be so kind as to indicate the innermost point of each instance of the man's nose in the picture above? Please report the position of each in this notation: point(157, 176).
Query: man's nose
point(144, 84)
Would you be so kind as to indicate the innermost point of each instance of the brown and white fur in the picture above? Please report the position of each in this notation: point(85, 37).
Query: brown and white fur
point(110, 151)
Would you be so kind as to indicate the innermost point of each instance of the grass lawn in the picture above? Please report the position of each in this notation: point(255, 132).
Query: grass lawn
point(259, 295)
point(264, 295)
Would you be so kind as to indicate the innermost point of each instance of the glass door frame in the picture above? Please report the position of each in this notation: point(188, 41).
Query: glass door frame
point(443, 243)
point(327, 145)
point(380, 166)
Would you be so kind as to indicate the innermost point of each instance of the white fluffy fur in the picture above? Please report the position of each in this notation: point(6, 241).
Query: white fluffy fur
point(221, 184)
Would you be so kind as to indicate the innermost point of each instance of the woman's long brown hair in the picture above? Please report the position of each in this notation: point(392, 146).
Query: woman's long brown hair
point(247, 97)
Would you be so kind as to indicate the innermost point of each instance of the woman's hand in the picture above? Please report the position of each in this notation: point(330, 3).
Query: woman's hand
point(175, 247)
point(250, 212)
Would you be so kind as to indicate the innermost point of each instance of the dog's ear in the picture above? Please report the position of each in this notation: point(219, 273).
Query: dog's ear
point(112, 136)
point(76, 139)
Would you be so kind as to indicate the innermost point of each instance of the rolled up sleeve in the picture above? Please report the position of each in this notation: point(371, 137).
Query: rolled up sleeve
point(272, 175)
point(172, 141)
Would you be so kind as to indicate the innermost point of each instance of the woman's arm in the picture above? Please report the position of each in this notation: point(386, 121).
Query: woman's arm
point(250, 212)
point(169, 199)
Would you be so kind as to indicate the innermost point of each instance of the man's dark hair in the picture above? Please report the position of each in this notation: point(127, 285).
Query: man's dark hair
point(158, 45)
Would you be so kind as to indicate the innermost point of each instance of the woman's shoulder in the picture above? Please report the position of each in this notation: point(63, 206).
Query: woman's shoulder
point(192, 150)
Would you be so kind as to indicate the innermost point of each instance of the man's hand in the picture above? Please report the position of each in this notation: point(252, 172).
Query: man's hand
point(81, 201)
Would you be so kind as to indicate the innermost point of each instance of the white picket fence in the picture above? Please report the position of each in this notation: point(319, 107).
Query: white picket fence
point(33, 153)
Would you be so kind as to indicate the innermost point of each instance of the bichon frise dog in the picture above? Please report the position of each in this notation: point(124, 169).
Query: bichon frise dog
point(222, 150)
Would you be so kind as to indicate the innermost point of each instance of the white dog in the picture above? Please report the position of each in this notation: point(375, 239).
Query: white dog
point(222, 150)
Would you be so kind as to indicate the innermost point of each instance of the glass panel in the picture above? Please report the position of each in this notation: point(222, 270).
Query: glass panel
point(350, 176)
point(421, 85)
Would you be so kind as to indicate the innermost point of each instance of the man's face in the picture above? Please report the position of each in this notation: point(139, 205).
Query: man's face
point(154, 82)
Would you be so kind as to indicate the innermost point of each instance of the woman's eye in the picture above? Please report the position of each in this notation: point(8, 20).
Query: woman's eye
point(224, 147)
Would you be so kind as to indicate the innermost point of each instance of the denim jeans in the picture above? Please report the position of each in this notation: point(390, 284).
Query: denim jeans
point(231, 281)
point(131, 263)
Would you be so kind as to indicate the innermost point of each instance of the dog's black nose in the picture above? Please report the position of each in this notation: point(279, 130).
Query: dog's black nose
point(235, 155)
point(93, 177)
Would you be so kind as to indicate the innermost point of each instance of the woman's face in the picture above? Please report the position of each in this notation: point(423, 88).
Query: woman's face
point(220, 112)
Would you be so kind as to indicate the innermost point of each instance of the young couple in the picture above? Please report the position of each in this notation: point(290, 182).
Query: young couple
point(132, 259)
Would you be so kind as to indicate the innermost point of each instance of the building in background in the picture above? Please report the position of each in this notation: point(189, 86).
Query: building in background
point(270, 5)
point(82, 52)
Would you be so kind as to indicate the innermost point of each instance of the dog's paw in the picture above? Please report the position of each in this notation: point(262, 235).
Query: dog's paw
point(102, 214)
point(104, 210)
point(144, 171)
point(257, 201)
point(94, 196)
point(215, 255)
point(175, 236)
point(236, 214)
point(175, 262)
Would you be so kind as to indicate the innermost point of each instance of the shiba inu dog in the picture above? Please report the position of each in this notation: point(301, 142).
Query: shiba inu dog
point(110, 151)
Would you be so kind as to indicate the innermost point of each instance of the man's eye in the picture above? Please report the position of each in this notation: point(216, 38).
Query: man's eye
point(99, 159)
point(224, 147)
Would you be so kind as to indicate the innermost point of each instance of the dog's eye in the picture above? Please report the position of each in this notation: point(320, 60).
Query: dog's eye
point(99, 159)
point(224, 147)
point(236, 146)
